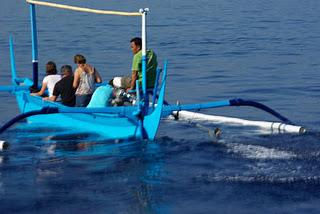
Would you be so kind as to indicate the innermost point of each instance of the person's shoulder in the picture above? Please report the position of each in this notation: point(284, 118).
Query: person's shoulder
point(87, 69)
point(57, 88)
point(54, 78)
point(70, 77)
point(46, 79)
point(137, 56)
point(92, 68)
point(57, 76)
point(60, 82)
point(66, 79)
point(50, 78)
point(77, 71)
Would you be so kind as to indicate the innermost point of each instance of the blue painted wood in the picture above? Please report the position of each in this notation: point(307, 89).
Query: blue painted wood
point(241, 102)
point(122, 122)
point(152, 122)
point(155, 89)
point(113, 125)
point(168, 109)
point(12, 62)
point(34, 39)
point(13, 88)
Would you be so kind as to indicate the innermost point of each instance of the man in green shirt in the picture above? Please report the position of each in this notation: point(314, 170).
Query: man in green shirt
point(136, 45)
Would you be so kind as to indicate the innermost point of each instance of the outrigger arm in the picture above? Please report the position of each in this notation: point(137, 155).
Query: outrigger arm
point(169, 109)
point(166, 110)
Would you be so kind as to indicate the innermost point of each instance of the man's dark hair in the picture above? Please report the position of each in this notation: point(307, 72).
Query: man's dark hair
point(51, 68)
point(66, 69)
point(137, 41)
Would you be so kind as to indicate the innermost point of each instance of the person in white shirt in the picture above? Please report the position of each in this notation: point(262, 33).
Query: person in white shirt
point(49, 80)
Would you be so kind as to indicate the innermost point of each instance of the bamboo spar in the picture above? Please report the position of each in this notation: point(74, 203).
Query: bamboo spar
point(83, 9)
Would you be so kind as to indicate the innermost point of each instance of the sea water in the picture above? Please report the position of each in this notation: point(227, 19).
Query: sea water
point(266, 51)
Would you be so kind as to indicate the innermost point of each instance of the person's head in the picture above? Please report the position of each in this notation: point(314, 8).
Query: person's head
point(136, 44)
point(79, 59)
point(111, 82)
point(66, 70)
point(51, 68)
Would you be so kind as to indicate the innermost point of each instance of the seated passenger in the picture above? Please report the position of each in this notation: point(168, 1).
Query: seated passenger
point(49, 80)
point(64, 88)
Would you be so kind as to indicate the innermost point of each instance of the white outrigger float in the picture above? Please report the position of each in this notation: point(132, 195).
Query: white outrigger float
point(140, 121)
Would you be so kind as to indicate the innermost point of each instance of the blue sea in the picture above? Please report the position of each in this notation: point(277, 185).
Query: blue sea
point(262, 50)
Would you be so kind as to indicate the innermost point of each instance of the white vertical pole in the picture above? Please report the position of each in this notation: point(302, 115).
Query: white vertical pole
point(144, 51)
point(144, 69)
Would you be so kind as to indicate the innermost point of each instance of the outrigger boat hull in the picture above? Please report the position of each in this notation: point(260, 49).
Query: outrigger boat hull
point(109, 122)
point(111, 126)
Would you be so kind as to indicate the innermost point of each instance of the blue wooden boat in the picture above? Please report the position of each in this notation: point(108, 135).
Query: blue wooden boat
point(140, 121)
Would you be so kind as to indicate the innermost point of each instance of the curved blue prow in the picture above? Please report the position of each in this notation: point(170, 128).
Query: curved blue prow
point(152, 121)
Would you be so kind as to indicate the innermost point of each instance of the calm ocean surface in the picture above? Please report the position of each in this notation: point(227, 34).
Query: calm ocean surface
point(262, 50)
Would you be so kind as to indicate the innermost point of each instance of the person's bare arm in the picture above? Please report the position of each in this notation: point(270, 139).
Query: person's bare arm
point(97, 76)
point(52, 98)
point(134, 77)
point(76, 79)
point(42, 90)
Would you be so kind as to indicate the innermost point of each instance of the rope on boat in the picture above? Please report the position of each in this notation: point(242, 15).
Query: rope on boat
point(83, 9)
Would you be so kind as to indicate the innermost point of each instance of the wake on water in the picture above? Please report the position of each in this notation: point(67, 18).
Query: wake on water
point(252, 156)
point(243, 156)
